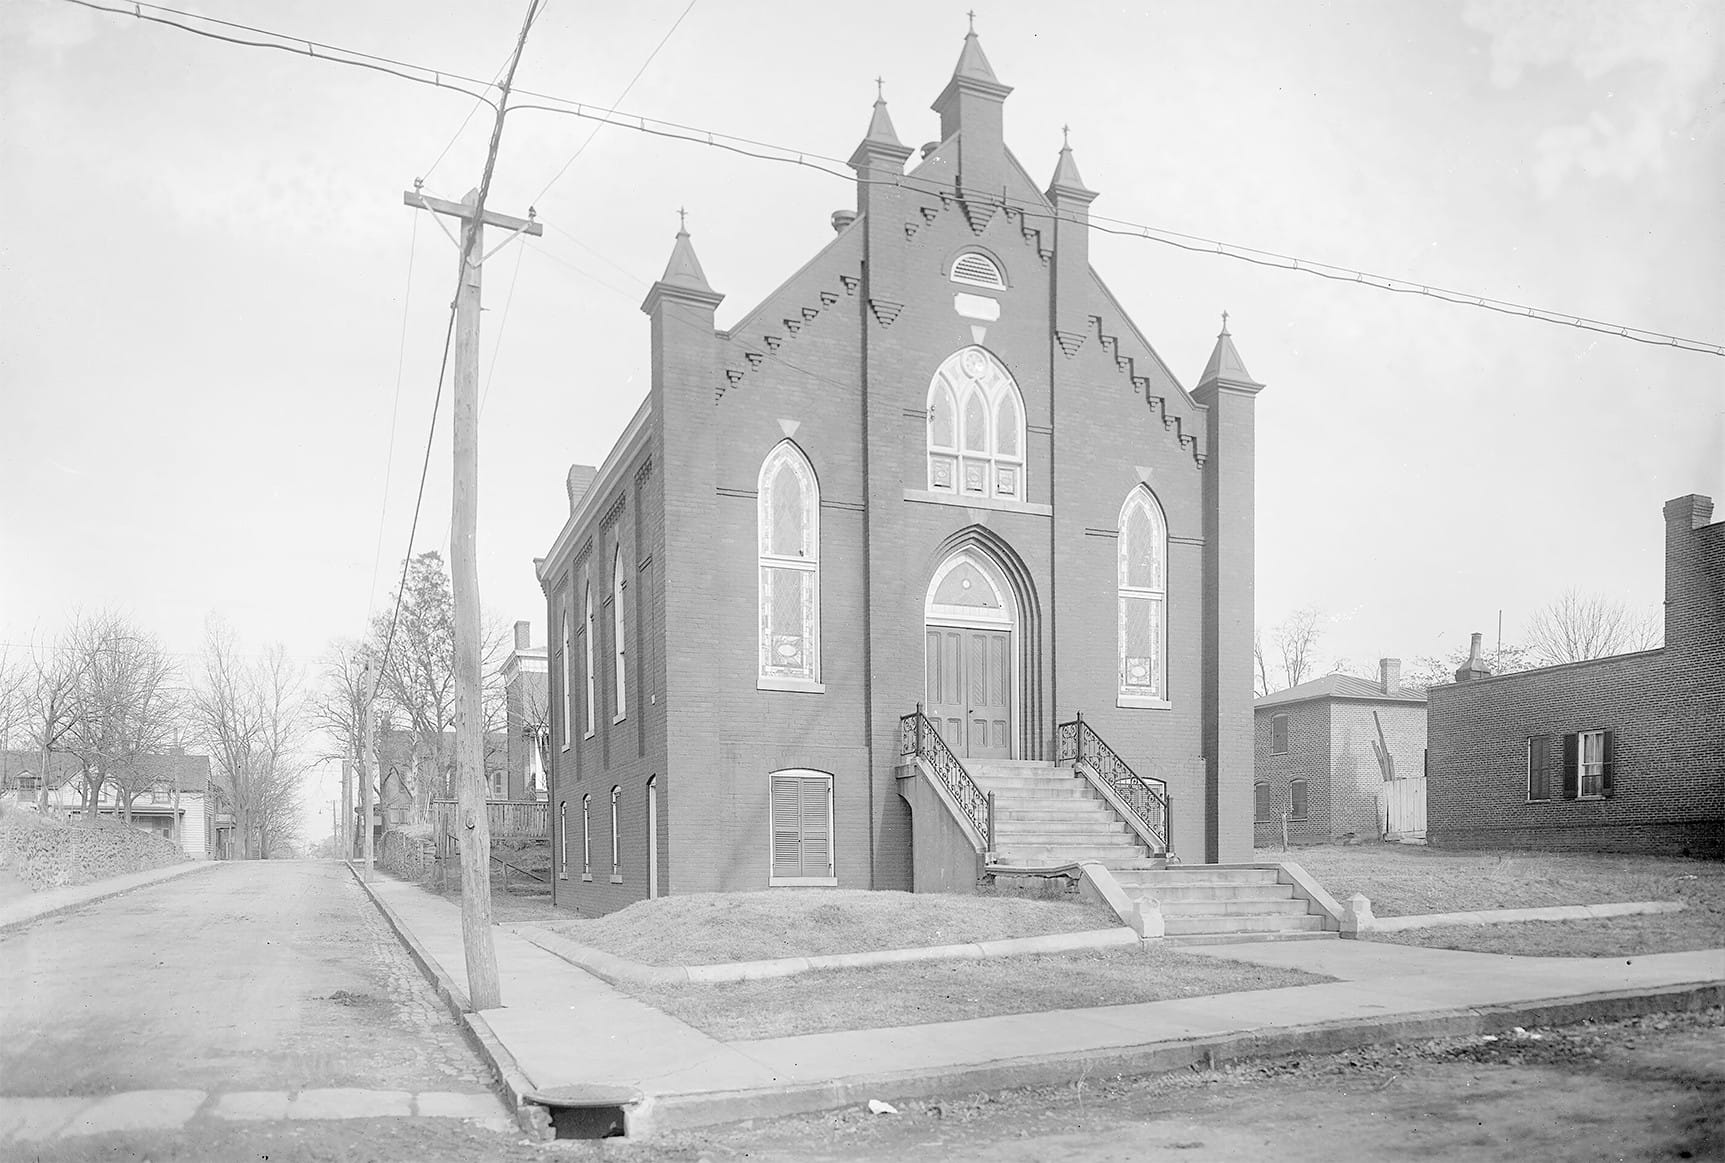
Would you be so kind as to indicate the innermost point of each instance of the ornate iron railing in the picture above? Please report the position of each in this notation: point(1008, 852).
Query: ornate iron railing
point(1147, 799)
point(919, 738)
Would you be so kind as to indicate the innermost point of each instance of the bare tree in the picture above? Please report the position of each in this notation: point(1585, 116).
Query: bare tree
point(1260, 669)
point(250, 718)
point(123, 708)
point(50, 705)
point(418, 663)
point(1293, 650)
point(1429, 670)
point(1576, 627)
point(337, 708)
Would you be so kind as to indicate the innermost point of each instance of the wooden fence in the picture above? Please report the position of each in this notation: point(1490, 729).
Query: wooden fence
point(523, 818)
point(1405, 807)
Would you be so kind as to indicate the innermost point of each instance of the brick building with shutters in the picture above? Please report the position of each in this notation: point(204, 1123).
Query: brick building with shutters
point(938, 467)
point(1625, 753)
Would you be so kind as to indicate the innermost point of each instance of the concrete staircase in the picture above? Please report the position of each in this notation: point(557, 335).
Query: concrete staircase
point(1206, 904)
point(1047, 815)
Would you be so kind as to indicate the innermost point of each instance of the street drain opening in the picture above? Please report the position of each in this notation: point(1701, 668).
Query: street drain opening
point(587, 1122)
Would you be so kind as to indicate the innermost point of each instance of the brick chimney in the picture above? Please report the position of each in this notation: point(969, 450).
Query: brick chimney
point(1694, 610)
point(1475, 666)
point(523, 635)
point(580, 479)
point(1390, 675)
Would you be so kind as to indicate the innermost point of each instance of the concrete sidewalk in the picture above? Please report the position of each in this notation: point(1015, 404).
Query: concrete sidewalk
point(57, 900)
point(564, 1030)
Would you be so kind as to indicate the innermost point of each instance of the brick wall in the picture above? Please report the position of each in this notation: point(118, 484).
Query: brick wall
point(1355, 777)
point(1307, 758)
point(1663, 706)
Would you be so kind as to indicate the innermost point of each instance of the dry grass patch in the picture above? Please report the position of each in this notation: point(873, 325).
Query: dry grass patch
point(1410, 880)
point(709, 928)
point(945, 991)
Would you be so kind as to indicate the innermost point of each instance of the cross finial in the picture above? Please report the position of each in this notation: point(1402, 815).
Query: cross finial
point(682, 220)
point(1224, 321)
point(1066, 137)
point(880, 88)
point(972, 15)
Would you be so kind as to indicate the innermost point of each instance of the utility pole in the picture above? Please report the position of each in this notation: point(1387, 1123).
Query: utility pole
point(365, 790)
point(481, 954)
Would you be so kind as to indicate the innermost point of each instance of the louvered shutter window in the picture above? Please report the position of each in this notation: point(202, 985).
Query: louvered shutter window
point(1538, 767)
point(977, 270)
point(802, 843)
point(1261, 803)
point(1297, 799)
point(1571, 753)
point(1278, 734)
point(1608, 766)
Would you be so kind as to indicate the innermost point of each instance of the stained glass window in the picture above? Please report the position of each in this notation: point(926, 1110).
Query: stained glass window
point(975, 428)
point(1143, 597)
point(789, 519)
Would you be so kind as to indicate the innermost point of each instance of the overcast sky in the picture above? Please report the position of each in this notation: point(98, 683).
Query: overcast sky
point(206, 278)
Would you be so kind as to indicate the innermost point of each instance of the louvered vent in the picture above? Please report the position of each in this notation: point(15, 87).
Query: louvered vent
point(977, 270)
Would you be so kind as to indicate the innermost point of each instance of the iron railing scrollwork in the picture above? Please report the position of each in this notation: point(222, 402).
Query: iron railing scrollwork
point(1147, 799)
point(918, 738)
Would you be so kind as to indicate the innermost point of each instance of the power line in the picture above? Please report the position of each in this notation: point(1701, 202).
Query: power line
point(394, 410)
point(582, 148)
point(766, 151)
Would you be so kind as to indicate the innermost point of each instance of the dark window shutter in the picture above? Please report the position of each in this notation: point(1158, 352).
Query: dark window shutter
point(1571, 761)
point(1538, 773)
point(1609, 767)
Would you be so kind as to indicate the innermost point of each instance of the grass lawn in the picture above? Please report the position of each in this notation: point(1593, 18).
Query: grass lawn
point(11, 888)
point(944, 991)
point(709, 928)
point(1408, 880)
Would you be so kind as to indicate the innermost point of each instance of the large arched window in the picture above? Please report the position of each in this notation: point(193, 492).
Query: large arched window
point(789, 534)
point(617, 623)
point(1143, 599)
point(563, 680)
point(975, 428)
point(587, 651)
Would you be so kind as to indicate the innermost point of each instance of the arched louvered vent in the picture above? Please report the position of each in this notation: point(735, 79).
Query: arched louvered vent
point(978, 270)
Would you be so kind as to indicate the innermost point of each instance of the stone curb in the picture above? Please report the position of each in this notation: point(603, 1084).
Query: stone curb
point(622, 969)
point(512, 1084)
point(1509, 916)
point(29, 911)
point(678, 1112)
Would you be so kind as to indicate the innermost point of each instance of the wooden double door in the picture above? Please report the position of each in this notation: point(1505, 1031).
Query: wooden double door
point(969, 689)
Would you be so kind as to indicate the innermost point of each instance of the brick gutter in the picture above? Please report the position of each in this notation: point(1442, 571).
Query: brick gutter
point(510, 1082)
point(59, 900)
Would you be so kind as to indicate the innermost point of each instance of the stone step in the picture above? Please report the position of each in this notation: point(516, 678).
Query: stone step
point(1097, 826)
point(1189, 939)
point(1043, 855)
point(1025, 783)
point(1073, 809)
point(1248, 908)
point(1204, 892)
point(1202, 874)
point(1181, 924)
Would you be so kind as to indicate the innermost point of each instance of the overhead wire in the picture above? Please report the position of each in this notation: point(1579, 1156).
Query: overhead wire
point(834, 167)
point(394, 412)
point(582, 148)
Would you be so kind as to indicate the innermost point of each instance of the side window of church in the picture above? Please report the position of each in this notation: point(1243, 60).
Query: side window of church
point(802, 828)
point(790, 570)
point(1143, 598)
point(975, 428)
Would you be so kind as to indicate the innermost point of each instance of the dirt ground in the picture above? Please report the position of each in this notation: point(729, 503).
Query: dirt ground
point(1645, 1089)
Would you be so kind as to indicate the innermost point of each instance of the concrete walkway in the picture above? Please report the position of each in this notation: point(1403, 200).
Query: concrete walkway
point(57, 900)
point(564, 1030)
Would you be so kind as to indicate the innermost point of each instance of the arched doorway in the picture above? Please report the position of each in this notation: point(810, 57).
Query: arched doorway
point(970, 657)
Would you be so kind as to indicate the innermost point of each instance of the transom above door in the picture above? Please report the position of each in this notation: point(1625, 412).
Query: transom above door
point(970, 680)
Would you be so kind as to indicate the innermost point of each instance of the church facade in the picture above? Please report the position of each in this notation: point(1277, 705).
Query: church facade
point(937, 480)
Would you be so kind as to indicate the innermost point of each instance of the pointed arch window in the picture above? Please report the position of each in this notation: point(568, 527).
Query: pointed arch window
point(789, 535)
point(1143, 600)
point(616, 838)
point(619, 652)
point(563, 680)
point(587, 652)
point(563, 840)
point(587, 836)
point(975, 428)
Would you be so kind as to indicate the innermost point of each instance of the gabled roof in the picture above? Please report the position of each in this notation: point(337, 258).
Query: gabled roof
point(191, 772)
point(1338, 686)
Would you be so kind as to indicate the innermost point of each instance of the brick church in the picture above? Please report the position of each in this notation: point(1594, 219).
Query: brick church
point(925, 566)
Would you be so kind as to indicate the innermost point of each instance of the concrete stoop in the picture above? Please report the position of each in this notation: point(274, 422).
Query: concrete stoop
point(1208, 903)
point(1048, 816)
